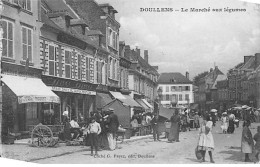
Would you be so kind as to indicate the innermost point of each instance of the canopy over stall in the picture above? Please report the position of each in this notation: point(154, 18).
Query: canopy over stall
point(30, 89)
point(102, 99)
point(148, 104)
point(142, 104)
point(128, 100)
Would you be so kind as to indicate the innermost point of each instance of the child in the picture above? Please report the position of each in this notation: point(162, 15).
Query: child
point(257, 144)
point(93, 130)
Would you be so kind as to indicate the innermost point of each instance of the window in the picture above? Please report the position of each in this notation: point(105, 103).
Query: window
point(111, 64)
point(172, 88)
point(167, 97)
point(114, 40)
point(174, 98)
point(180, 88)
point(187, 97)
point(79, 67)
point(87, 69)
point(113, 68)
point(27, 43)
point(52, 61)
point(7, 40)
point(187, 88)
point(99, 71)
point(67, 64)
point(180, 97)
point(167, 88)
point(26, 4)
point(110, 37)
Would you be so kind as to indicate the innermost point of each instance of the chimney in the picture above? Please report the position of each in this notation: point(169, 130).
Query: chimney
point(257, 60)
point(137, 51)
point(146, 55)
point(187, 75)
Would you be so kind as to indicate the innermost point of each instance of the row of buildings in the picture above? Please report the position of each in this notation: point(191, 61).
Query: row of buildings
point(65, 55)
point(240, 86)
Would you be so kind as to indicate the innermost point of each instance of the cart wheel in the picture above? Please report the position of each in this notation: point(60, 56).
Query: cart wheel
point(42, 136)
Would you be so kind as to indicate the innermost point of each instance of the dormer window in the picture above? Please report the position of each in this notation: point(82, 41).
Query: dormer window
point(173, 80)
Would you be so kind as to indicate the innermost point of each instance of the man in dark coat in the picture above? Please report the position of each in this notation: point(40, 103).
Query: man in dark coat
point(113, 124)
point(154, 122)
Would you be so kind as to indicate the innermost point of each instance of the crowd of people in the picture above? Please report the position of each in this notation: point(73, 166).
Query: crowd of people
point(229, 121)
point(99, 133)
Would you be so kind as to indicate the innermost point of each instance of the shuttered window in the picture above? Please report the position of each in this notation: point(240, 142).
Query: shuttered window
point(7, 40)
point(67, 64)
point(27, 43)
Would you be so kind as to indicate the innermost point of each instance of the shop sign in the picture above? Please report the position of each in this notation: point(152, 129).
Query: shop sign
point(70, 90)
point(38, 99)
point(64, 83)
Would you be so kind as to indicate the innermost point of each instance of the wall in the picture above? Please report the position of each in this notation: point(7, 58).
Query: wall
point(20, 18)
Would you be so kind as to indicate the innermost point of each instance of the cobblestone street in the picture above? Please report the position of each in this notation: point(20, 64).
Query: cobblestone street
point(227, 150)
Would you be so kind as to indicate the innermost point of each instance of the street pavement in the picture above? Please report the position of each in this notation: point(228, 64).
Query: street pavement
point(146, 151)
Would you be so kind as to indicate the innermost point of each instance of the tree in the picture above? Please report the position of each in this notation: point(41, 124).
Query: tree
point(198, 77)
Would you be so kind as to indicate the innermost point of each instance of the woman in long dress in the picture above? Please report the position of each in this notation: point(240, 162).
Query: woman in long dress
point(175, 128)
point(206, 141)
point(247, 142)
point(103, 141)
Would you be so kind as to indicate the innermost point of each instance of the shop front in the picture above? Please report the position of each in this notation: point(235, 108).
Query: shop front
point(78, 98)
point(26, 99)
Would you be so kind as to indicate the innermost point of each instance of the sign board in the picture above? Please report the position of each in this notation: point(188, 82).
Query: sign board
point(70, 90)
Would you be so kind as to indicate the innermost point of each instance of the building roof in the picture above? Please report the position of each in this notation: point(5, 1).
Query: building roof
point(250, 64)
point(73, 32)
point(135, 58)
point(219, 78)
point(173, 78)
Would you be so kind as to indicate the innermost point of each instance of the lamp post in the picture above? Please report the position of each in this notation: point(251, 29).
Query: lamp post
point(159, 93)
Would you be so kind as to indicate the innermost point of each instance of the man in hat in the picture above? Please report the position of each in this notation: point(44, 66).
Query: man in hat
point(155, 127)
point(113, 124)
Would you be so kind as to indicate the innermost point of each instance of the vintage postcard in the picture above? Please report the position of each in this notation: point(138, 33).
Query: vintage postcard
point(130, 82)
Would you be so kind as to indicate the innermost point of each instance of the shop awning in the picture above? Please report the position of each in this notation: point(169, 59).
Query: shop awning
point(142, 104)
point(102, 99)
point(194, 106)
point(30, 89)
point(148, 104)
point(117, 95)
point(166, 112)
point(128, 100)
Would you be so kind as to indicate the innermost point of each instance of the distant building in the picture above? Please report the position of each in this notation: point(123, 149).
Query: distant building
point(244, 82)
point(205, 91)
point(223, 94)
point(177, 89)
point(142, 78)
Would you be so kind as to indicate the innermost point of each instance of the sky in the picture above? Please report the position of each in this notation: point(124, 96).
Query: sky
point(190, 41)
